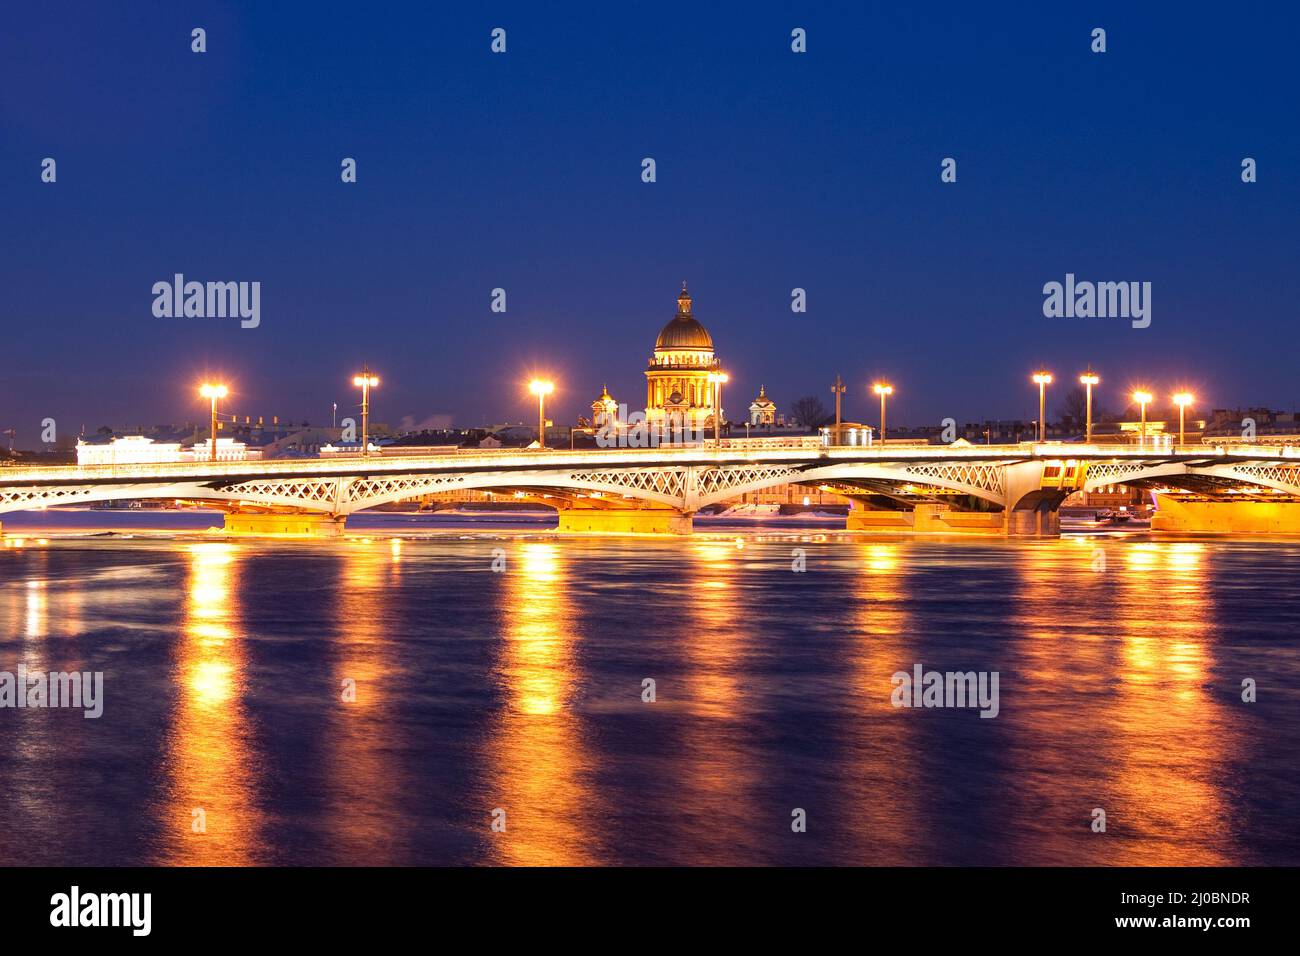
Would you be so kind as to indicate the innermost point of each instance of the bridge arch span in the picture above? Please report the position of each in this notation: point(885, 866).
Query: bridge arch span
point(984, 480)
point(1263, 474)
point(661, 486)
point(55, 496)
point(1104, 473)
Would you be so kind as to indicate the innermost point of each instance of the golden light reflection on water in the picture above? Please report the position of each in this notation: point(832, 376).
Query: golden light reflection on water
point(1108, 700)
point(712, 637)
point(1175, 734)
point(1125, 646)
point(881, 775)
point(24, 608)
point(36, 619)
point(717, 767)
point(538, 763)
point(33, 589)
point(210, 760)
point(30, 743)
point(364, 785)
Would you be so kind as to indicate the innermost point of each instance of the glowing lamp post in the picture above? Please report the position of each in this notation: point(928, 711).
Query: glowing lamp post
point(1042, 379)
point(1142, 398)
point(541, 389)
point(884, 390)
point(718, 379)
point(1088, 379)
point(213, 392)
point(365, 381)
point(1182, 400)
point(837, 389)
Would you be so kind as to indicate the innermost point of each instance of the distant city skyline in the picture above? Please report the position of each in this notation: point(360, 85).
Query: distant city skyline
point(775, 171)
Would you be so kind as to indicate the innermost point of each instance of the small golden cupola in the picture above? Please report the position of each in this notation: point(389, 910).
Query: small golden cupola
point(604, 410)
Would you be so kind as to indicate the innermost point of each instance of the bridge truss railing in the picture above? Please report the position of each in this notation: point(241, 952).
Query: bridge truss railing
point(335, 466)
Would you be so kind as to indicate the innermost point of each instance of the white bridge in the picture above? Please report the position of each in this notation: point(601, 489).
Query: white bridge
point(1017, 488)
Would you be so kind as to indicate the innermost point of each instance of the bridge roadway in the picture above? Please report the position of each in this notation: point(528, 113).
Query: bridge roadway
point(658, 489)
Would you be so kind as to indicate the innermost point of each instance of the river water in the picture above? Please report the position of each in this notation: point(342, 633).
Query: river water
point(504, 671)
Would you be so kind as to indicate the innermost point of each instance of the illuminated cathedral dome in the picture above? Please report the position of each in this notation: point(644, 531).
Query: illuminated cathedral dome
point(683, 332)
point(677, 379)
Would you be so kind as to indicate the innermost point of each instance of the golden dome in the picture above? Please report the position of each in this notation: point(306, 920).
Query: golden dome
point(683, 332)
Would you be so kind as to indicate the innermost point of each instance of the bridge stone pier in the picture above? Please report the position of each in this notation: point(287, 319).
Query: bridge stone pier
point(588, 518)
point(295, 524)
point(927, 518)
point(1029, 508)
point(985, 489)
point(1041, 521)
point(990, 497)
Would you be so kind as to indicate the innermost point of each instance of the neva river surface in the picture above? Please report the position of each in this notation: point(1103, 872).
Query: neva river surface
point(224, 662)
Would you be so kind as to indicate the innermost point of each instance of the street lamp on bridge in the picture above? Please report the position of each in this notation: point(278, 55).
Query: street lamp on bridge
point(1182, 400)
point(718, 379)
point(1088, 379)
point(1042, 379)
point(214, 392)
point(837, 389)
point(541, 389)
point(1142, 397)
point(365, 381)
point(883, 389)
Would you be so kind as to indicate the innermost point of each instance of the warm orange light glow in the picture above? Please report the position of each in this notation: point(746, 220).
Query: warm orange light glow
point(213, 391)
point(541, 387)
point(370, 381)
point(1183, 399)
point(1089, 378)
point(882, 388)
point(1142, 397)
point(209, 751)
point(1042, 379)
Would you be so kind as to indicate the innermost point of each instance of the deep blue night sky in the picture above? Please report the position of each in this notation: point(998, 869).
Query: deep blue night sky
point(775, 170)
